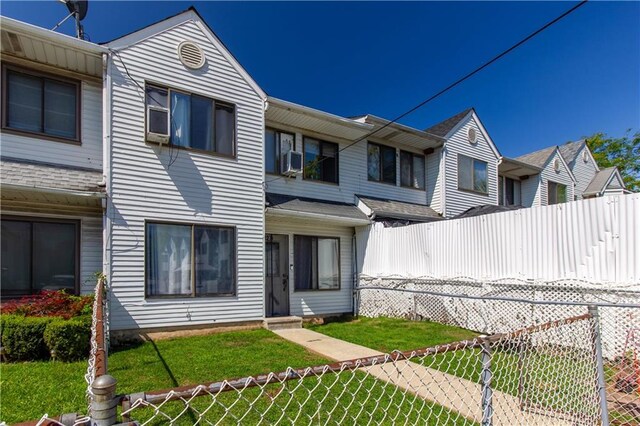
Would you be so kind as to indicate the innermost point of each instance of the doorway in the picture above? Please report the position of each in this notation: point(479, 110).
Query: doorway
point(276, 275)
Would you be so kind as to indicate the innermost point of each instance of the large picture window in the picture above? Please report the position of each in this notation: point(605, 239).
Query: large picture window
point(556, 193)
point(39, 104)
point(317, 263)
point(190, 260)
point(412, 170)
point(320, 160)
point(472, 174)
point(192, 121)
point(381, 163)
point(38, 255)
point(276, 146)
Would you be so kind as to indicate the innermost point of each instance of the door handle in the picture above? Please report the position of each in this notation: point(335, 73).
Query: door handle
point(284, 284)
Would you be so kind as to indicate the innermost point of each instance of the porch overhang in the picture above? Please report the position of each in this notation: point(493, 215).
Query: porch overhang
point(286, 206)
point(378, 208)
point(401, 134)
point(516, 168)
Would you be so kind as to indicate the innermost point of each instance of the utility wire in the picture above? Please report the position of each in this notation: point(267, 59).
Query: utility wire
point(455, 83)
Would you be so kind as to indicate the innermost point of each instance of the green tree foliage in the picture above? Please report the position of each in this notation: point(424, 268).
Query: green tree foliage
point(623, 153)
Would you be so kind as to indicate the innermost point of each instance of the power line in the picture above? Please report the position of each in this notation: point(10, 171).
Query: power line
point(457, 82)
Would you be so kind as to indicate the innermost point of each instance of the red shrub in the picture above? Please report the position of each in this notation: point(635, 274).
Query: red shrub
point(50, 304)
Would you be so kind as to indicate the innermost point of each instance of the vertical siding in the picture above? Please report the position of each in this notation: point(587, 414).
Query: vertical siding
point(457, 201)
point(153, 183)
point(434, 180)
point(88, 154)
point(310, 303)
point(562, 176)
point(352, 173)
point(583, 172)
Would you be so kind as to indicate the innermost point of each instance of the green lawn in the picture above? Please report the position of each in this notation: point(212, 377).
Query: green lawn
point(34, 388)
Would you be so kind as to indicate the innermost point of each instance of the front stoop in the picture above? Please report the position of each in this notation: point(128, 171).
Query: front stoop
point(282, 323)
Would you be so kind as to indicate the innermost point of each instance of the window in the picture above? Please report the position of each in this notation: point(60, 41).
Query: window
point(192, 121)
point(42, 105)
point(320, 160)
point(190, 260)
point(38, 255)
point(556, 193)
point(508, 191)
point(472, 174)
point(412, 170)
point(317, 263)
point(276, 146)
point(381, 163)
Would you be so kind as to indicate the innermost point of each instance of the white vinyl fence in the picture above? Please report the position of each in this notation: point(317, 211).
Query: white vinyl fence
point(595, 240)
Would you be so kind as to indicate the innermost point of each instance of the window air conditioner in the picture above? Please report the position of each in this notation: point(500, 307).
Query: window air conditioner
point(292, 163)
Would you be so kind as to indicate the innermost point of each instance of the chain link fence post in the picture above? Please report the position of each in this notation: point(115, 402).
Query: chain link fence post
point(597, 343)
point(487, 391)
point(104, 403)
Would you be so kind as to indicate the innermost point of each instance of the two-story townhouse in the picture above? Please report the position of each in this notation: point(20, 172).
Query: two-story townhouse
point(51, 163)
point(352, 171)
point(463, 173)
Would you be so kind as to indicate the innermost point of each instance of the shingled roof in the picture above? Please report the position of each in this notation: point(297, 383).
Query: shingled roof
point(444, 127)
point(599, 182)
point(313, 206)
point(569, 151)
point(44, 176)
point(537, 158)
point(390, 209)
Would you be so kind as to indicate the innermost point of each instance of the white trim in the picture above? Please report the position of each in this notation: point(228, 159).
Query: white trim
point(337, 220)
point(167, 24)
point(55, 191)
point(304, 110)
point(472, 114)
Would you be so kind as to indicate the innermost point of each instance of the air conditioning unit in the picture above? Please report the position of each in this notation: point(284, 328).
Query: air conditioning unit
point(158, 138)
point(292, 163)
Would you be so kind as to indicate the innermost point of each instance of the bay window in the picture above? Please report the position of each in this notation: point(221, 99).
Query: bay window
point(317, 263)
point(320, 160)
point(412, 170)
point(381, 163)
point(189, 260)
point(472, 174)
point(192, 121)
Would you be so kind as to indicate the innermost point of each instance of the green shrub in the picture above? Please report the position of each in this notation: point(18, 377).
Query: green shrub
point(69, 339)
point(23, 337)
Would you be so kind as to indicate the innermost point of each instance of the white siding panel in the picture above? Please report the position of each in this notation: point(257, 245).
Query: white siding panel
point(457, 201)
point(352, 174)
point(562, 176)
point(87, 155)
point(531, 191)
point(434, 180)
point(311, 303)
point(151, 183)
point(583, 172)
point(595, 240)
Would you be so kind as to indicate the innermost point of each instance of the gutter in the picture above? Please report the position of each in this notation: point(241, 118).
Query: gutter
point(56, 191)
point(318, 114)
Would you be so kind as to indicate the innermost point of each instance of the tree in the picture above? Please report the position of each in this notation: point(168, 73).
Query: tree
point(623, 153)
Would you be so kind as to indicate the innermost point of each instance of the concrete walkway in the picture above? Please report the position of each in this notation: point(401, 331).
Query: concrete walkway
point(452, 392)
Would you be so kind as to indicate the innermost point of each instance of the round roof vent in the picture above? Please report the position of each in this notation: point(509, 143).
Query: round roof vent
point(585, 156)
point(472, 135)
point(556, 165)
point(191, 55)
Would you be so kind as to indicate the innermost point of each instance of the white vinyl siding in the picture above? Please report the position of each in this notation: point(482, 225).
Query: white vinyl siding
point(456, 200)
point(88, 154)
point(156, 184)
point(583, 172)
point(549, 174)
point(530, 191)
point(434, 180)
point(325, 302)
point(352, 163)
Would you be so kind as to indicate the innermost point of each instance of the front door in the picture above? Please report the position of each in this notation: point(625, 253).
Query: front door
point(276, 254)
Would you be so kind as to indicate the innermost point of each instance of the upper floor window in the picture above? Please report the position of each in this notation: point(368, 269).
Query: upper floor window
point(276, 146)
point(412, 170)
point(381, 163)
point(556, 193)
point(192, 121)
point(39, 104)
point(472, 174)
point(320, 160)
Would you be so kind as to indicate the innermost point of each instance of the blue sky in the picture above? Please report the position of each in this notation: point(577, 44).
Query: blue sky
point(580, 76)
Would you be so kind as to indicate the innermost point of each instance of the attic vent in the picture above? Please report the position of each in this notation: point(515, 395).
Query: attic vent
point(14, 42)
point(556, 165)
point(585, 156)
point(191, 55)
point(471, 135)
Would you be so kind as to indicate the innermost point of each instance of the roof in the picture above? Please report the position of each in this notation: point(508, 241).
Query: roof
point(537, 158)
point(35, 175)
point(443, 128)
point(600, 181)
point(517, 168)
point(313, 207)
point(570, 150)
point(400, 133)
point(390, 209)
point(485, 209)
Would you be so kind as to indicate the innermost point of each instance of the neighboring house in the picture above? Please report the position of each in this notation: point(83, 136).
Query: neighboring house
point(463, 173)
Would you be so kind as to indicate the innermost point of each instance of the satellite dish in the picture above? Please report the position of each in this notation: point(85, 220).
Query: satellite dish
point(78, 8)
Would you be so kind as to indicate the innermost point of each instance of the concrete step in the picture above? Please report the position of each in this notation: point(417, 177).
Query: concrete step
point(282, 323)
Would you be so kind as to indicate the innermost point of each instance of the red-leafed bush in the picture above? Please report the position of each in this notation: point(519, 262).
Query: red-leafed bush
point(50, 304)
